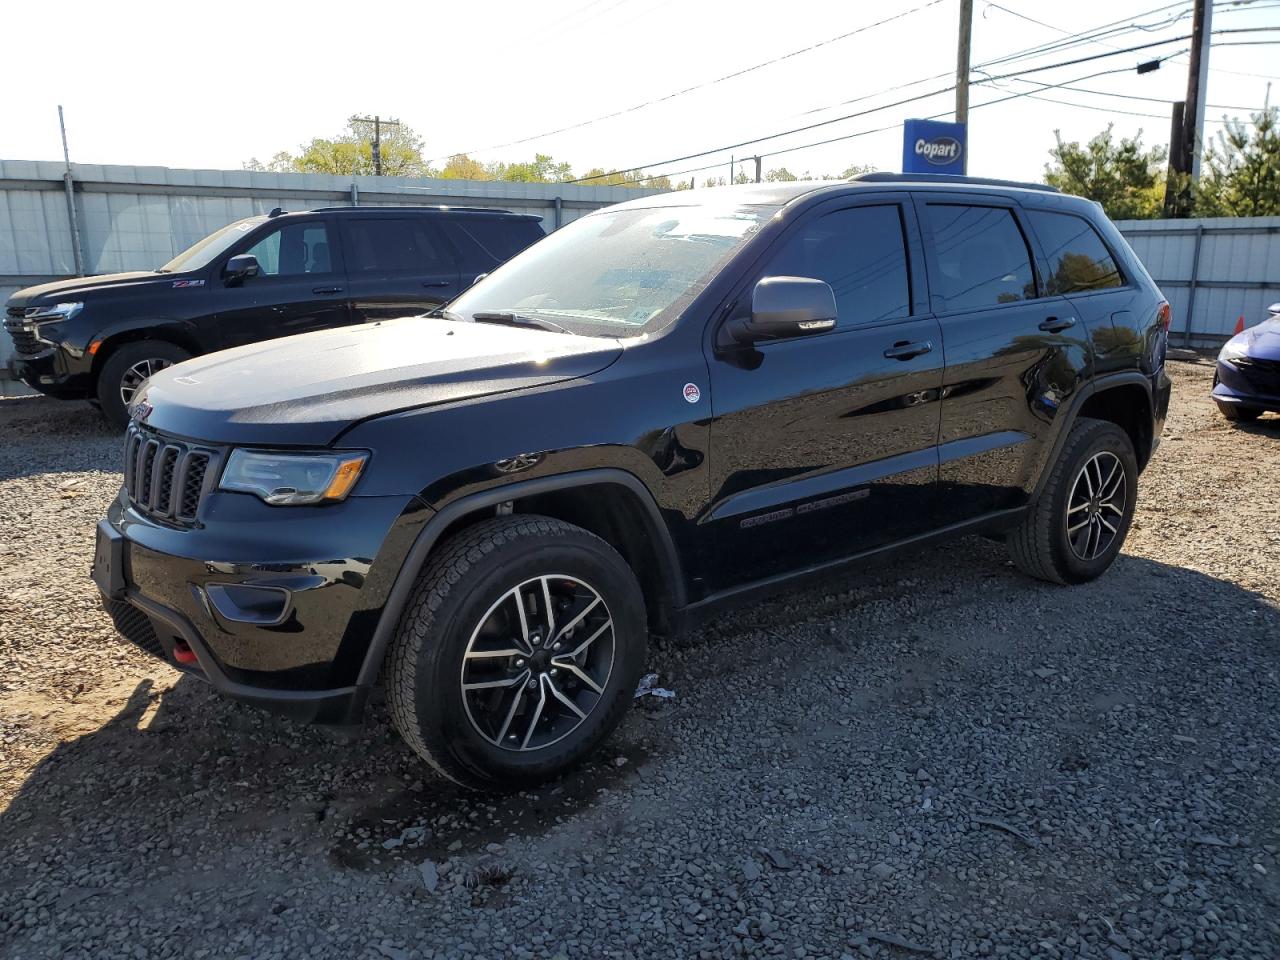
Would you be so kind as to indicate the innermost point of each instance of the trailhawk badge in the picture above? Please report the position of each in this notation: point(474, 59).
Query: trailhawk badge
point(692, 393)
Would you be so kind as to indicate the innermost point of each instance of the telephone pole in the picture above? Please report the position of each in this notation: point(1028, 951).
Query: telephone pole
point(962, 61)
point(377, 138)
point(759, 161)
point(1197, 89)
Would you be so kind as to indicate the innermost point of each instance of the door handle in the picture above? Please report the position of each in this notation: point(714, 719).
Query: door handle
point(326, 289)
point(1056, 324)
point(437, 283)
point(906, 349)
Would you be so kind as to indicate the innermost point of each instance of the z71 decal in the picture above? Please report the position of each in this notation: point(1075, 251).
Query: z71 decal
point(188, 283)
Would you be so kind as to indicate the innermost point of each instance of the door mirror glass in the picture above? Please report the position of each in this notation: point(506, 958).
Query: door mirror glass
point(784, 307)
point(240, 267)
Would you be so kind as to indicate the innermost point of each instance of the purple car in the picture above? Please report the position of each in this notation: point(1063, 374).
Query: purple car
point(1247, 380)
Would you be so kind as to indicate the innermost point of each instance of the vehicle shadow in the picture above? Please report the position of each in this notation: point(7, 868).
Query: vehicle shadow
point(1268, 425)
point(190, 791)
point(45, 436)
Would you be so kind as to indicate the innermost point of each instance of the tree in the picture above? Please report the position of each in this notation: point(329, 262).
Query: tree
point(780, 175)
point(462, 167)
point(599, 177)
point(350, 153)
point(1240, 176)
point(1125, 178)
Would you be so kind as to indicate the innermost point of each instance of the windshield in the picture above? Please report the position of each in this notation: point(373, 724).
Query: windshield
point(619, 273)
point(204, 252)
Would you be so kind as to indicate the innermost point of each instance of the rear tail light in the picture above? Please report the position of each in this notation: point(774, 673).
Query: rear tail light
point(1165, 315)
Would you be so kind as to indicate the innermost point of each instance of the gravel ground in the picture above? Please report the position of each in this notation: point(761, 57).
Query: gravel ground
point(940, 758)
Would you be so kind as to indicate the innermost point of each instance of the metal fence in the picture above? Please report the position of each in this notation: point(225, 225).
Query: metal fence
point(1213, 271)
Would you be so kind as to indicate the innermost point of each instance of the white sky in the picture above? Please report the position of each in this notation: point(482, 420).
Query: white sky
point(199, 85)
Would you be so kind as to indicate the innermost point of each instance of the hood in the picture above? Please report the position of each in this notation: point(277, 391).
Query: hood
point(305, 390)
point(60, 290)
point(1261, 341)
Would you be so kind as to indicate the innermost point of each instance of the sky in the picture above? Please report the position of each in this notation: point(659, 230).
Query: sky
point(189, 85)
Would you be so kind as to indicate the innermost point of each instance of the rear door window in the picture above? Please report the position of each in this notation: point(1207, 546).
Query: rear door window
point(389, 245)
point(861, 253)
point(981, 256)
point(1078, 259)
point(485, 242)
point(294, 249)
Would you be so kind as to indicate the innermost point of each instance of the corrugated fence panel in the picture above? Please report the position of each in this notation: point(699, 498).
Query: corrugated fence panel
point(1235, 273)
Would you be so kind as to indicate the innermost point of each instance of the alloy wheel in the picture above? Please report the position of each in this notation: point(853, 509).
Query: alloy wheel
point(136, 374)
point(1095, 507)
point(538, 662)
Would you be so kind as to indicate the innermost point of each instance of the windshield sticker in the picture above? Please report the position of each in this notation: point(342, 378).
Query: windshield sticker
point(692, 393)
point(188, 283)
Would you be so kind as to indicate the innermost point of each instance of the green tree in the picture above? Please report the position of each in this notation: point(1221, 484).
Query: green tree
point(1240, 175)
point(1125, 178)
point(350, 153)
point(462, 167)
point(599, 177)
point(780, 175)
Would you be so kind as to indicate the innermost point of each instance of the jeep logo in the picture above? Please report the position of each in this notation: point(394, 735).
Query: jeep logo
point(939, 150)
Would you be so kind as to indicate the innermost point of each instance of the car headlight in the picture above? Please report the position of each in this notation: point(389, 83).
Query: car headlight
point(56, 311)
point(290, 479)
point(1234, 349)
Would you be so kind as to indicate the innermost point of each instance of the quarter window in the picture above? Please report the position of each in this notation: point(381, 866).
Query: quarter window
point(294, 249)
point(1078, 259)
point(982, 257)
point(860, 252)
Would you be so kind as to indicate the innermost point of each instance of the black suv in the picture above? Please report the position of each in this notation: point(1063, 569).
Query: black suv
point(667, 405)
point(98, 338)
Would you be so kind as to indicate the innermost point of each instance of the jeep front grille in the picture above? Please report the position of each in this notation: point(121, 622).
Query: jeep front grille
point(166, 478)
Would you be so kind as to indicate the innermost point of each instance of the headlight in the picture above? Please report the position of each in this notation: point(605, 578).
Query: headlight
point(56, 311)
point(293, 478)
point(1234, 349)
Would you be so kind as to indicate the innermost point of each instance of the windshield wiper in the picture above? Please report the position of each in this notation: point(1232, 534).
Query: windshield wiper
point(518, 320)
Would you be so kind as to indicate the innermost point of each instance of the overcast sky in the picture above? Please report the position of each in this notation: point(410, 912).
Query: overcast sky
point(200, 85)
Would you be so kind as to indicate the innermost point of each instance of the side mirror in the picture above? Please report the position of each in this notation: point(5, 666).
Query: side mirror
point(1274, 309)
point(240, 267)
point(784, 307)
point(479, 277)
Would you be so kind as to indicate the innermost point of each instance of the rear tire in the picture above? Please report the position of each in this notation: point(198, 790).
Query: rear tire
point(126, 369)
point(1076, 528)
point(486, 688)
point(1235, 412)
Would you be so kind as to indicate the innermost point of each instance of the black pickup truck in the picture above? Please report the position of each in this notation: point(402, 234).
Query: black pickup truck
point(98, 338)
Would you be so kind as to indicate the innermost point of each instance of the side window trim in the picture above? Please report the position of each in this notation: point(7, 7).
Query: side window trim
point(1034, 258)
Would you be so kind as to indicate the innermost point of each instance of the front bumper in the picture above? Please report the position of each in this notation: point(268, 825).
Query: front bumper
point(288, 630)
point(49, 373)
point(1257, 387)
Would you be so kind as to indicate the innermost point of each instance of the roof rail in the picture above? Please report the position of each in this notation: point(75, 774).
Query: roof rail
point(887, 177)
point(419, 206)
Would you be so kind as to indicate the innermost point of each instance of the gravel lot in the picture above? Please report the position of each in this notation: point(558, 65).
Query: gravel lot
point(938, 758)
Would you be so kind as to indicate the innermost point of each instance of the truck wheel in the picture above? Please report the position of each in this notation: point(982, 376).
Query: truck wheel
point(126, 369)
point(518, 653)
point(1075, 529)
point(1233, 411)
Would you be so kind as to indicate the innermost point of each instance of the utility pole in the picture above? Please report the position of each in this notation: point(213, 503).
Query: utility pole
point(1197, 89)
point(377, 138)
point(731, 170)
point(1176, 180)
point(759, 161)
point(67, 183)
point(962, 61)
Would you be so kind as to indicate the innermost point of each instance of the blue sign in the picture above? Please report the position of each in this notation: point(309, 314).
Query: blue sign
point(930, 146)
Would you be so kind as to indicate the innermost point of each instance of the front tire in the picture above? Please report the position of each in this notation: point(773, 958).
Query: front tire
point(126, 370)
point(486, 686)
point(1074, 531)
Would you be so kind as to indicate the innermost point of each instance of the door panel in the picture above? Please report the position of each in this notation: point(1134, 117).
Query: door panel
point(301, 286)
point(397, 266)
point(824, 446)
point(1013, 356)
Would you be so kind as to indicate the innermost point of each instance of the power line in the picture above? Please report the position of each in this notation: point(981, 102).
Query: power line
point(886, 106)
point(700, 86)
